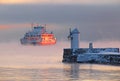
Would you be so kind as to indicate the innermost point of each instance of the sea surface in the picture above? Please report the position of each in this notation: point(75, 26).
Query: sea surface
point(44, 63)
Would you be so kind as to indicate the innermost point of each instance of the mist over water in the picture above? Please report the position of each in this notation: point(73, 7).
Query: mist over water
point(14, 54)
point(44, 63)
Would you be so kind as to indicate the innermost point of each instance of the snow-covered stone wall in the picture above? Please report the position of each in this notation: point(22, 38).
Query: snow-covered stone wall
point(96, 55)
point(99, 58)
point(96, 50)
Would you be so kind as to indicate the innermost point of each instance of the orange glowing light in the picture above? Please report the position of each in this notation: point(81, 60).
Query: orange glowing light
point(15, 1)
point(3, 27)
point(47, 39)
point(9, 26)
point(9, 1)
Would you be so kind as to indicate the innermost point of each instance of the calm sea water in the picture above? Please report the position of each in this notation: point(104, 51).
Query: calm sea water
point(34, 63)
point(68, 72)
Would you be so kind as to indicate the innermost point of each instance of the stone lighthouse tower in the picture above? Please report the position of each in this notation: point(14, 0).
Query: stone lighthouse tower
point(74, 38)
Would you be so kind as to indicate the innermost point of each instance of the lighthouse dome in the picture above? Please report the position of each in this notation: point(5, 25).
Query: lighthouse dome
point(75, 31)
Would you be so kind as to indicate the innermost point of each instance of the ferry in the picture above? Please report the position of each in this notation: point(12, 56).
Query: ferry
point(38, 36)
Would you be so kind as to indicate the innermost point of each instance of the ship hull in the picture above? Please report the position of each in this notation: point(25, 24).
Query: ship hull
point(27, 42)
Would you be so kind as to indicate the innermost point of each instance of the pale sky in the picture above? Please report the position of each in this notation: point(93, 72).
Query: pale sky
point(96, 19)
point(61, 1)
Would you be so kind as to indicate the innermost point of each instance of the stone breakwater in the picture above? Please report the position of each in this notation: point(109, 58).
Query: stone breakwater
point(94, 55)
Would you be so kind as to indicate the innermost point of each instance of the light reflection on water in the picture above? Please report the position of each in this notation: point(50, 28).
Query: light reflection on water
point(36, 63)
point(89, 72)
point(67, 72)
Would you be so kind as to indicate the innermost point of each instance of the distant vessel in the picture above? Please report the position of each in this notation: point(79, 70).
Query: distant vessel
point(38, 36)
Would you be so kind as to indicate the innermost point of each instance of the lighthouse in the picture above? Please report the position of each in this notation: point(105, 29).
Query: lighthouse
point(74, 38)
point(89, 55)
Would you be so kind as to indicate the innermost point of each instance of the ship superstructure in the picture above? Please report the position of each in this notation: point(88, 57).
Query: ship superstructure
point(38, 36)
